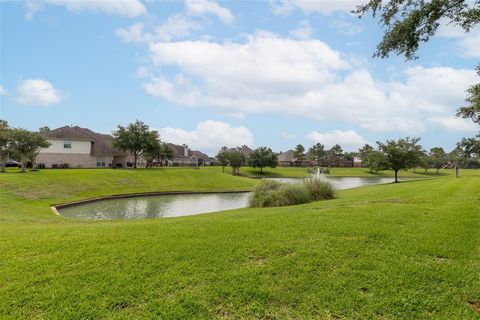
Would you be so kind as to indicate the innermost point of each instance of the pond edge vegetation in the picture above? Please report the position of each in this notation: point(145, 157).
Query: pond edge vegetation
point(268, 193)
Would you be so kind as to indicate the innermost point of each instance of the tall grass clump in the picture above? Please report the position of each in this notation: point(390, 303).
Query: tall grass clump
point(319, 189)
point(274, 194)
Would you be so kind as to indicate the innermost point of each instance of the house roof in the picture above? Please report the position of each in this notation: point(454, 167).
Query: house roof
point(287, 156)
point(245, 150)
point(178, 151)
point(102, 143)
point(199, 155)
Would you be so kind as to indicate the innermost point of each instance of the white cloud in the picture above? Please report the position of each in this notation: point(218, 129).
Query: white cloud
point(132, 34)
point(309, 6)
point(454, 124)
point(175, 27)
point(304, 31)
point(32, 7)
point(349, 140)
point(468, 44)
point(202, 7)
point(267, 73)
point(209, 136)
point(37, 92)
point(126, 8)
point(2, 91)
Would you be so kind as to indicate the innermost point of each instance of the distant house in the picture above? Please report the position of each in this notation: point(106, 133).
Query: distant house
point(288, 159)
point(184, 157)
point(244, 150)
point(76, 147)
point(357, 162)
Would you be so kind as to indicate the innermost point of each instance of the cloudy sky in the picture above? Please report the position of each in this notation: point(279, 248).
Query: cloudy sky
point(208, 73)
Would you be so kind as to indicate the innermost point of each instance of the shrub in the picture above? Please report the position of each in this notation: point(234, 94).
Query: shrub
point(319, 189)
point(274, 194)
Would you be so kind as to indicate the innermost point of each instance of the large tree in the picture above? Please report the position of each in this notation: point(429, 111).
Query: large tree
point(166, 153)
point(236, 160)
point(438, 157)
point(27, 144)
point(407, 23)
point(299, 153)
point(376, 161)
point(316, 153)
point(263, 157)
point(334, 155)
point(5, 143)
point(135, 138)
point(222, 158)
point(401, 154)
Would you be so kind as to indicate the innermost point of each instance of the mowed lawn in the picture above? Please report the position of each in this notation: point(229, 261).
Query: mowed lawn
point(395, 251)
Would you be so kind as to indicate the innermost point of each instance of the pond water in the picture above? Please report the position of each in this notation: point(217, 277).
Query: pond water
point(342, 183)
point(176, 205)
point(160, 206)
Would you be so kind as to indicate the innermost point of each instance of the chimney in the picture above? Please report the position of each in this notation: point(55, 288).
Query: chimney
point(185, 150)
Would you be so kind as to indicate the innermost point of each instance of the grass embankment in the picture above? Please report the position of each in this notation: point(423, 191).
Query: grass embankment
point(396, 251)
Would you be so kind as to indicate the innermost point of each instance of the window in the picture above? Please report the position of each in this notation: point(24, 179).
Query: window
point(67, 144)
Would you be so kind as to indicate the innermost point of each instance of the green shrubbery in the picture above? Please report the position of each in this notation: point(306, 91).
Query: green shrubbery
point(319, 189)
point(275, 194)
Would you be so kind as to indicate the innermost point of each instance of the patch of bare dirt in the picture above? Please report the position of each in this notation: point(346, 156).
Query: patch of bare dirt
point(475, 305)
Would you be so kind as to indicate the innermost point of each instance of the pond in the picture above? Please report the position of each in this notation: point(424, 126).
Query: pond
point(176, 205)
point(341, 183)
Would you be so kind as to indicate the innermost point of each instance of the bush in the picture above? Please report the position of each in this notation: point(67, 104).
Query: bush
point(471, 164)
point(319, 189)
point(274, 194)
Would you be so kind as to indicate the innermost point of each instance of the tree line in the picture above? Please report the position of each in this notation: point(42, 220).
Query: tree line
point(396, 155)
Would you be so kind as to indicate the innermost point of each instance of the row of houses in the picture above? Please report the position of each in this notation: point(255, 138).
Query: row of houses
point(76, 147)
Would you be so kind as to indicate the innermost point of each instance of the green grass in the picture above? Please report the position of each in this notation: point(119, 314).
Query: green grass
point(340, 172)
point(396, 251)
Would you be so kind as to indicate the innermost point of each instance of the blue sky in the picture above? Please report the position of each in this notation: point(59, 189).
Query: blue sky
point(208, 73)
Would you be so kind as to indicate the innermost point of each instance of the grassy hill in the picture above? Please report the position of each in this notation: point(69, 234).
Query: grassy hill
point(396, 251)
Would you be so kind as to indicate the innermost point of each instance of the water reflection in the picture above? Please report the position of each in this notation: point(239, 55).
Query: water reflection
point(161, 206)
point(164, 206)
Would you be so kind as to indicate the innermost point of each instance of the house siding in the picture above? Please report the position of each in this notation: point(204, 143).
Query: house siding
point(77, 147)
point(73, 160)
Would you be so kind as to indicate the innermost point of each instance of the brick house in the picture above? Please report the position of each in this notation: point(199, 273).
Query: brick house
point(76, 147)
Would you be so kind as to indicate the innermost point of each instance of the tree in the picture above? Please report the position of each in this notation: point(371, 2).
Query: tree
point(334, 155)
point(5, 143)
point(236, 160)
point(299, 153)
point(222, 158)
point(135, 138)
point(44, 129)
point(410, 22)
point(467, 148)
point(316, 153)
point(376, 161)
point(438, 157)
point(365, 151)
point(401, 154)
point(425, 161)
point(152, 152)
point(166, 153)
point(263, 157)
point(27, 144)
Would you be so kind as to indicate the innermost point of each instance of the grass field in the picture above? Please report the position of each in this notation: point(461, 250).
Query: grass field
point(396, 251)
point(338, 172)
